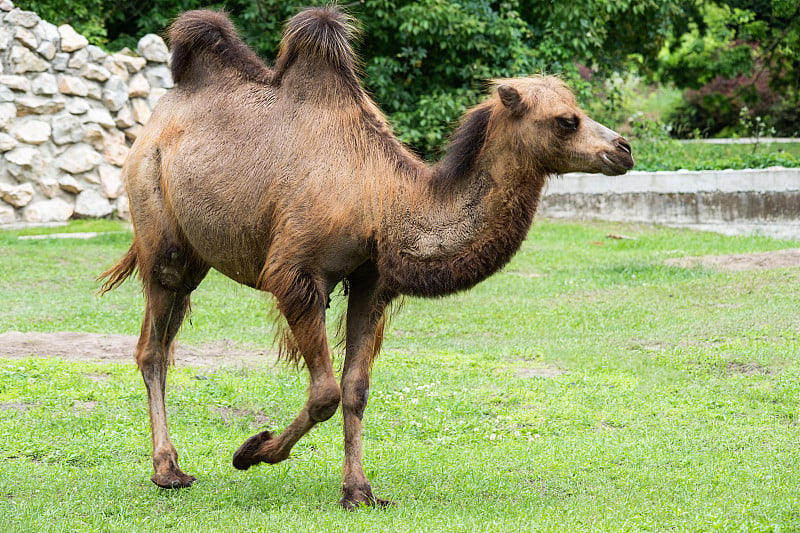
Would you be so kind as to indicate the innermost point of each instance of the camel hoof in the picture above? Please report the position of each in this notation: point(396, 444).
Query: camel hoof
point(173, 480)
point(353, 499)
point(245, 456)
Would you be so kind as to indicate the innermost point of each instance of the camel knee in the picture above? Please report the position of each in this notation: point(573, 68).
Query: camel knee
point(323, 402)
point(354, 399)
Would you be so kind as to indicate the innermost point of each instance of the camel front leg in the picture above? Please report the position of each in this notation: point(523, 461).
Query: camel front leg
point(307, 323)
point(365, 320)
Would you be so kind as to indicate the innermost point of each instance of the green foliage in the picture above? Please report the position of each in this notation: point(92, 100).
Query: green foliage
point(740, 55)
point(88, 17)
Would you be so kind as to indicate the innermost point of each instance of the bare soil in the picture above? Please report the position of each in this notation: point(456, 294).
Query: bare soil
point(754, 261)
point(103, 348)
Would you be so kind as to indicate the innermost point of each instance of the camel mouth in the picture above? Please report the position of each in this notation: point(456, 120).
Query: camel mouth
point(616, 163)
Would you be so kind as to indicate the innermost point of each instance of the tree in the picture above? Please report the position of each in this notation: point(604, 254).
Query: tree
point(741, 54)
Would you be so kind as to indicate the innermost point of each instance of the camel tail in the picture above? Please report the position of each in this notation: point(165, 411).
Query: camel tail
point(319, 34)
point(118, 273)
point(203, 43)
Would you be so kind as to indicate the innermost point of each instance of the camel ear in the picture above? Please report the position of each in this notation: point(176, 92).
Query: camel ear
point(511, 99)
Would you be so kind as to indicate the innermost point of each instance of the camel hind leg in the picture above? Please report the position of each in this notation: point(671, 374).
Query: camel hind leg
point(167, 293)
point(170, 271)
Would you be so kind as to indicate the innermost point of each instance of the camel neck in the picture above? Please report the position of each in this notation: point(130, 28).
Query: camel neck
point(447, 241)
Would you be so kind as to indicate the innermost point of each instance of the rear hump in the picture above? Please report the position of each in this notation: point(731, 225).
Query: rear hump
point(319, 34)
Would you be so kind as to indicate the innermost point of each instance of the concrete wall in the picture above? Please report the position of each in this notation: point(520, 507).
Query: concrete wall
point(68, 114)
point(762, 201)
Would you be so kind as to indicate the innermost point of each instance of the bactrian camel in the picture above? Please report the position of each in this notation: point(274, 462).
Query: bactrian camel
point(289, 180)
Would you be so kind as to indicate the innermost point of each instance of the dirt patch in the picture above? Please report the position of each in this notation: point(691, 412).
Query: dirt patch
point(102, 348)
point(230, 415)
point(747, 369)
point(540, 371)
point(736, 262)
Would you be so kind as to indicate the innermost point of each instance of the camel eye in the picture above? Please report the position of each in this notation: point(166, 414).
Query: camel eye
point(568, 124)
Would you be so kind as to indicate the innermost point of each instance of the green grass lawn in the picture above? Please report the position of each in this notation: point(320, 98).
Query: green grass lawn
point(670, 402)
point(670, 154)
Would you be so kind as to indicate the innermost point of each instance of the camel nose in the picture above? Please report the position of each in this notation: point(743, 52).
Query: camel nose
point(623, 145)
point(626, 160)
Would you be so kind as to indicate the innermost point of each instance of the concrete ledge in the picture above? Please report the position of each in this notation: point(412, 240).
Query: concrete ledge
point(756, 201)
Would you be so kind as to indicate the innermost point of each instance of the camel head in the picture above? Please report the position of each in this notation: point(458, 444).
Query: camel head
point(547, 123)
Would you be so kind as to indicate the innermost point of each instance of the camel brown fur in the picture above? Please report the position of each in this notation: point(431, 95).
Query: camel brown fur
point(290, 180)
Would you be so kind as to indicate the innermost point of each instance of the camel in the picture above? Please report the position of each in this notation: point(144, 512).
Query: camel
point(290, 180)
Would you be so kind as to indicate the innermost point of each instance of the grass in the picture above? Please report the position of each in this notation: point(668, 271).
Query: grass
point(676, 408)
point(669, 154)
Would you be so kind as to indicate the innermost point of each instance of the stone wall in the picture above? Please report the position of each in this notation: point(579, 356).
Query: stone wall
point(68, 114)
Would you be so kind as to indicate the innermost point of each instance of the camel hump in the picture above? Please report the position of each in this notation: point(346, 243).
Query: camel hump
point(319, 34)
point(210, 34)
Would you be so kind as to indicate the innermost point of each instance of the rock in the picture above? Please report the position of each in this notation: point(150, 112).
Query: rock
point(78, 158)
point(5, 38)
point(115, 150)
point(115, 93)
point(17, 195)
point(124, 118)
point(8, 112)
point(92, 204)
point(47, 50)
point(111, 181)
point(95, 135)
point(55, 210)
point(95, 90)
point(133, 64)
point(23, 60)
point(139, 86)
point(60, 61)
point(67, 129)
point(7, 142)
point(72, 85)
point(22, 156)
point(141, 111)
point(70, 39)
point(91, 177)
point(123, 208)
point(47, 32)
point(77, 106)
point(99, 116)
point(17, 83)
point(79, 59)
point(45, 84)
point(49, 187)
point(96, 54)
point(5, 94)
point(152, 48)
point(133, 132)
point(69, 184)
point(8, 215)
point(18, 17)
point(159, 76)
point(95, 72)
point(26, 37)
point(6, 5)
point(38, 105)
point(31, 131)
point(116, 68)
point(26, 163)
